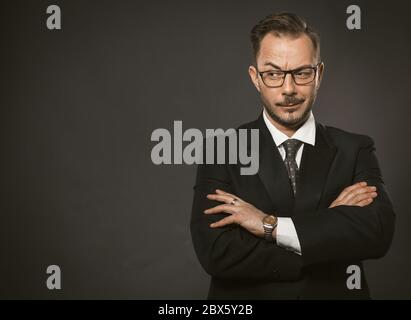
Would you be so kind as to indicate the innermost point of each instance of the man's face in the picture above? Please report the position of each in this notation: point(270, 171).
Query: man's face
point(288, 105)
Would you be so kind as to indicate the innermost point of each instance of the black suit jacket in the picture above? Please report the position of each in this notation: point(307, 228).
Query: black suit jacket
point(243, 266)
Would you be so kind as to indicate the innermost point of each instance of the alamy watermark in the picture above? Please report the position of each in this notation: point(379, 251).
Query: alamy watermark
point(242, 147)
point(354, 278)
point(53, 281)
point(53, 21)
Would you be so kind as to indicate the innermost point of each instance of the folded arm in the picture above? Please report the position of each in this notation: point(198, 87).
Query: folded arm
point(231, 252)
point(349, 232)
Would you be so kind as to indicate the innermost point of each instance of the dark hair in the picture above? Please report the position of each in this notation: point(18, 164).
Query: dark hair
point(283, 24)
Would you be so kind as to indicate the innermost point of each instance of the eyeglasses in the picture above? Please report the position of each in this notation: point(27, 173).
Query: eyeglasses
point(301, 76)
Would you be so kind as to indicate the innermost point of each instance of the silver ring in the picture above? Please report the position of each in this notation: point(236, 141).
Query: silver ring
point(234, 201)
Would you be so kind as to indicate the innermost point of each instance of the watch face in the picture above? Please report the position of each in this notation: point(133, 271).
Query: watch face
point(270, 220)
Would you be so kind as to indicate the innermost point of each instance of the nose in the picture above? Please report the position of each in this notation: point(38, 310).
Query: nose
point(288, 85)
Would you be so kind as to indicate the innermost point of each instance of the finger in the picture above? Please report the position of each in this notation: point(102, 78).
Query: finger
point(333, 204)
point(357, 192)
point(365, 202)
point(221, 208)
point(223, 222)
point(221, 198)
point(218, 191)
point(354, 201)
point(350, 188)
point(361, 197)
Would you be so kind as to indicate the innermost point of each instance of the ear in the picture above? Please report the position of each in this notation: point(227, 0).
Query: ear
point(252, 71)
point(320, 74)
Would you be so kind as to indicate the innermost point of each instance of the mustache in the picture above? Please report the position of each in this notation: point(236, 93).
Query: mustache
point(290, 100)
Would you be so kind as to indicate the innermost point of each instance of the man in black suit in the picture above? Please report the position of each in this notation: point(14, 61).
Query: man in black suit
point(318, 204)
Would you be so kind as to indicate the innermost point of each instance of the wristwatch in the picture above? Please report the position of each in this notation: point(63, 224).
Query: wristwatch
point(269, 223)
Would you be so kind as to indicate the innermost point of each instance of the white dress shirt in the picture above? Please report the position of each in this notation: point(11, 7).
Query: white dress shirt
point(286, 234)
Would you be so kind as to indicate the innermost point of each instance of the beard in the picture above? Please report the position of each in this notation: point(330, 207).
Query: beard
point(292, 120)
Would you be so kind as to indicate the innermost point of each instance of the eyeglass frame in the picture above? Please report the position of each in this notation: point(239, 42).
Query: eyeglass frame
point(315, 68)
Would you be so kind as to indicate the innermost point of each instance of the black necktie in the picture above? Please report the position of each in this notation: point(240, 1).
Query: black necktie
point(291, 147)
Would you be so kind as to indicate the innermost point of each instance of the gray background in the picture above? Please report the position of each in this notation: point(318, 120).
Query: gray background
point(78, 107)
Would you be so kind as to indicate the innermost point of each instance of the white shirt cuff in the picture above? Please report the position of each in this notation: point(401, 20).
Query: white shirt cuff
point(287, 235)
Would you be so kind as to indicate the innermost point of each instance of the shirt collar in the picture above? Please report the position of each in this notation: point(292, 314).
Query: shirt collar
point(306, 133)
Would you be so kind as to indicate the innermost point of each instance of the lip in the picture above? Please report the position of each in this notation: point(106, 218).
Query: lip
point(291, 105)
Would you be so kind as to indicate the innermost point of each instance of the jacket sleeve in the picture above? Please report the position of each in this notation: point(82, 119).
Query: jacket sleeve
point(346, 233)
point(231, 252)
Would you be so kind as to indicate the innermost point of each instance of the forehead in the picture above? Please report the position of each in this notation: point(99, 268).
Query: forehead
point(286, 51)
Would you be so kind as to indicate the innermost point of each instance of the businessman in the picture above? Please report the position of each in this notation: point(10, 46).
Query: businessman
point(318, 203)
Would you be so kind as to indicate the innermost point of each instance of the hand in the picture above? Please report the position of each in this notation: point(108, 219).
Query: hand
point(241, 213)
point(358, 194)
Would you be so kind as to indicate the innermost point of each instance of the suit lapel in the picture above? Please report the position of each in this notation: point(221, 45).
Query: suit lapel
point(315, 165)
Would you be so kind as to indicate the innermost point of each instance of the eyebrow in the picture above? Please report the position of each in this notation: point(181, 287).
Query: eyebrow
point(279, 68)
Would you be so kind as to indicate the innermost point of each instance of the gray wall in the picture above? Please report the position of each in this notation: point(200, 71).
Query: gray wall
point(78, 107)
